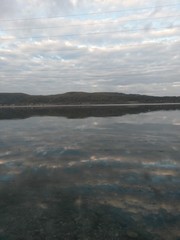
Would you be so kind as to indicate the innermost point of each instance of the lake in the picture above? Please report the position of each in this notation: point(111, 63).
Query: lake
point(93, 177)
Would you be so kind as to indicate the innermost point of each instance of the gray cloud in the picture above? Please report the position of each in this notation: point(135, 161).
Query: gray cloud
point(127, 52)
point(8, 8)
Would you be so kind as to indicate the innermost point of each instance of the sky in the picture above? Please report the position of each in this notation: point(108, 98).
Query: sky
point(57, 46)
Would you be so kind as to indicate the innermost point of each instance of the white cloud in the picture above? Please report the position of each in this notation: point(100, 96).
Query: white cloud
point(125, 51)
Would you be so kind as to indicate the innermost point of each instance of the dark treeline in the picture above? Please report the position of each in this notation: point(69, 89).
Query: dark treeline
point(82, 98)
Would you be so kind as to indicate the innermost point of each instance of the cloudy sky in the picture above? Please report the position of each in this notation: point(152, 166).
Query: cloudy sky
point(55, 46)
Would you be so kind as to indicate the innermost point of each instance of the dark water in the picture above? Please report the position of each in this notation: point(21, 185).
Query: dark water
point(93, 178)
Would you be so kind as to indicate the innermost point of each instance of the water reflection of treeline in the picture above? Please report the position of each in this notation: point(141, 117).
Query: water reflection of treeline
point(80, 111)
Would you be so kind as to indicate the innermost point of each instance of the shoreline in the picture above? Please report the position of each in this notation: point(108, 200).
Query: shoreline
point(82, 111)
point(86, 105)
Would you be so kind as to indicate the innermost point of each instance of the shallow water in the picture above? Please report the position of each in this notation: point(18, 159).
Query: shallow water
point(92, 178)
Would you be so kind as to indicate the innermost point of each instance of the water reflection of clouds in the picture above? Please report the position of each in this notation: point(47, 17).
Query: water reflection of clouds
point(152, 118)
point(129, 167)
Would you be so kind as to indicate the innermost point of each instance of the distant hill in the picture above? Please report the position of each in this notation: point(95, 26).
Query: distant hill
point(81, 98)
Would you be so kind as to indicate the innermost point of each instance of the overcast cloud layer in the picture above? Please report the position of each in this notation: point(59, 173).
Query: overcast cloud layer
point(55, 46)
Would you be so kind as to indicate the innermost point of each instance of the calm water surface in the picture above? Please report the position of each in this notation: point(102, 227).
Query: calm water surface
point(94, 178)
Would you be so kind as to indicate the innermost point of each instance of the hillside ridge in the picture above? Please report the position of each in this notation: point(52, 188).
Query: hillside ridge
point(82, 98)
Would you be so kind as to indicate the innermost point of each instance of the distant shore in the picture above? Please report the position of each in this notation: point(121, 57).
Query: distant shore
point(82, 110)
point(83, 99)
point(87, 105)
